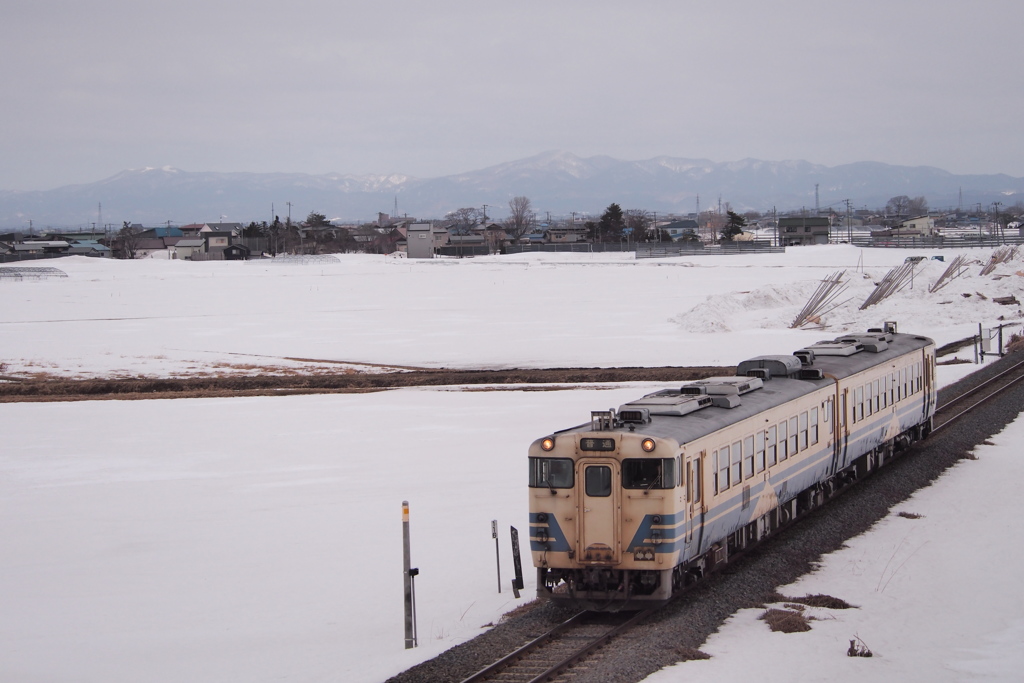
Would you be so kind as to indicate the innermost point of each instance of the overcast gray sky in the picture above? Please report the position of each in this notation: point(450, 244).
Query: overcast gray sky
point(428, 89)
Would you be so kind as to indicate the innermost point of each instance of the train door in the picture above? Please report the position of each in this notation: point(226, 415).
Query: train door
point(929, 390)
point(841, 431)
point(695, 497)
point(599, 511)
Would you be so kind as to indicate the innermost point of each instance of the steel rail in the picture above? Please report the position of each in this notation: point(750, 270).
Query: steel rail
point(985, 386)
point(521, 654)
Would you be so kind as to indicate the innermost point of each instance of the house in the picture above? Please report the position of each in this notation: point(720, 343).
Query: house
point(188, 247)
point(681, 229)
point(90, 248)
point(232, 229)
point(216, 241)
point(146, 247)
point(567, 233)
point(919, 226)
point(804, 230)
point(41, 247)
point(236, 252)
point(419, 240)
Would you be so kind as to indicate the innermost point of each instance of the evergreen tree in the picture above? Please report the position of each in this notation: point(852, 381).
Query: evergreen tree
point(609, 228)
point(733, 226)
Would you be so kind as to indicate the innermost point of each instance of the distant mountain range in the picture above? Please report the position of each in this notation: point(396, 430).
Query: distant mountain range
point(555, 182)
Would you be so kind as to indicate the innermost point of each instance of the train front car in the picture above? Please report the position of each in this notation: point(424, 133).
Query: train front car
point(603, 512)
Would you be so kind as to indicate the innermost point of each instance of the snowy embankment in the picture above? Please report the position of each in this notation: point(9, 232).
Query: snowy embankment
point(173, 318)
point(259, 538)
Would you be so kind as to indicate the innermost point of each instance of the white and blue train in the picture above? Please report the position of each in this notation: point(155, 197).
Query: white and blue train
point(641, 501)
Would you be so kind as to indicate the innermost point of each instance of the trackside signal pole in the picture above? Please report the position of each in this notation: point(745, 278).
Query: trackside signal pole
point(409, 575)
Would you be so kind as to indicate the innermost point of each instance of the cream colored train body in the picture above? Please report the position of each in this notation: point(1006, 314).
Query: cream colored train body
point(628, 508)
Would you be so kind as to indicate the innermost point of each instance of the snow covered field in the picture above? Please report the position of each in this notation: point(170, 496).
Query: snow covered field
point(259, 539)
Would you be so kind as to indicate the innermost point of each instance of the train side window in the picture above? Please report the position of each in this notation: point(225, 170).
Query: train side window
point(888, 390)
point(814, 425)
point(803, 430)
point(554, 473)
point(748, 457)
point(598, 481)
point(759, 451)
point(735, 475)
point(793, 450)
point(714, 472)
point(878, 397)
point(827, 412)
point(869, 399)
point(723, 469)
point(783, 441)
point(770, 445)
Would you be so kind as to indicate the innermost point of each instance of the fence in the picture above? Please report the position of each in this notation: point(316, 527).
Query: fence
point(954, 242)
point(573, 247)
point(698, 249)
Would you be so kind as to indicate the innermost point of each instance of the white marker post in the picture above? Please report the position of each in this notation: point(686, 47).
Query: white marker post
point(408, 575)
point(497, 553)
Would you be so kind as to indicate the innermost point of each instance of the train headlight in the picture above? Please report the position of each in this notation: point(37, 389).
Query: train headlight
point(647, 445)
point(548, 443)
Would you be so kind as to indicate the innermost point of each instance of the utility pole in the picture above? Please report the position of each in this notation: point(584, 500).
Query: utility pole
point(485, 215)
point(849, 226)
point(817, 208)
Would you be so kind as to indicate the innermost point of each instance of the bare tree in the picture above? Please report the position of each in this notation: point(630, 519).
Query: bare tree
point(918, 206)
point(521, 218)
point(462, 220)
point(897, 206)
point(639, 221)
point(128, 238)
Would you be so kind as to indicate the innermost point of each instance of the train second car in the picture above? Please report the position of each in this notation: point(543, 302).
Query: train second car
point(627, 509)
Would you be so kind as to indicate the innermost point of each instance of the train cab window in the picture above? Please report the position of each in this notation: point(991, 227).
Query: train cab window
point(814, 425)
point(598, 481)
point(783, 441)
point(792, 436)
point(770, 447)
point(759, 451)
point(648, 473)
point(736, 476)
point(551, 473)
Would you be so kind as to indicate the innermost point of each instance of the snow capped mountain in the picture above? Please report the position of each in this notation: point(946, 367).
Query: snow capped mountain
point(556, 181)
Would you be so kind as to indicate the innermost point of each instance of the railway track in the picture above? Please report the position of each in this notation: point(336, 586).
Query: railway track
point(559, 654)
point(545, 657)
point(953, 410)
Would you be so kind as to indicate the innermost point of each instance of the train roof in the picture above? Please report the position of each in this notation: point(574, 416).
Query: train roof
point(699, 408)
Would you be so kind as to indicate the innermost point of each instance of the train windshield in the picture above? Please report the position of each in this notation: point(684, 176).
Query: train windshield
point(648, 473)
point(554, 473)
